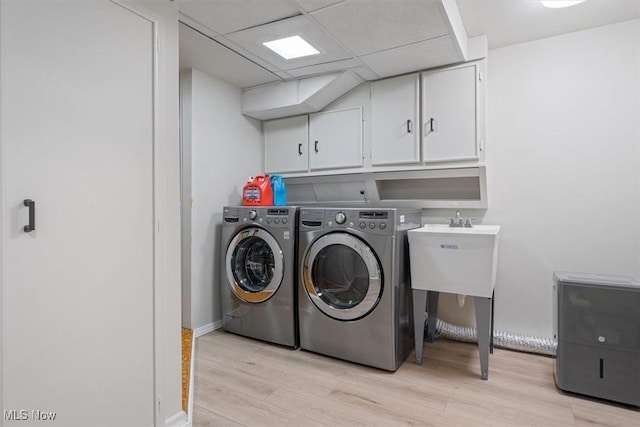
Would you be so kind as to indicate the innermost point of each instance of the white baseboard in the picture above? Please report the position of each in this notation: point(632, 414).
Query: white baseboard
point(178, 420)
point(198, 332)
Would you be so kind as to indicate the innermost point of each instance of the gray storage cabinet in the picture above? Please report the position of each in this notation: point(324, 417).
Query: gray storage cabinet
point(597, 325)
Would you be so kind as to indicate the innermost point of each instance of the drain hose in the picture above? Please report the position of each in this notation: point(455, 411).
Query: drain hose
point(501, 339)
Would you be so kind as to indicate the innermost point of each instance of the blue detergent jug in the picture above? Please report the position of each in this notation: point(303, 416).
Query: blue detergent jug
point(279, 190)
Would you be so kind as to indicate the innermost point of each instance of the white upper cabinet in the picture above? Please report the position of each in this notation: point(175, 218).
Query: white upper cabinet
point(449, 114)
point(395, 122)
point(335, 139)
point(428, 120)
point(286, 145)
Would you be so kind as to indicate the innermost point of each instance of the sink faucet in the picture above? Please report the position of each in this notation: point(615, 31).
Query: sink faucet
point(458, 221)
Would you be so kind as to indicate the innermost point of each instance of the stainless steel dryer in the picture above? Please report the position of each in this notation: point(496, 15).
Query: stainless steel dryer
point(259, 273)
point(354, 300)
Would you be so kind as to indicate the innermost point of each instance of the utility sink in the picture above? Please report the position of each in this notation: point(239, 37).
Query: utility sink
point(457, 260)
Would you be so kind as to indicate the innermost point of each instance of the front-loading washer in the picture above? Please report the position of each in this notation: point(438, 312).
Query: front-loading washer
point(354, 301)
point(258, 286)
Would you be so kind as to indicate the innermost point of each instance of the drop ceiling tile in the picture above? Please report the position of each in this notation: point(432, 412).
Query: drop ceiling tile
point(311, 5)
point(251, 40)
point(246, 54)
point(418, 56)
point(226, 16)
point(203, 54)
point(366, 73)
point(366, 27)
point(324, 68)
point(283, 75)
point(196, 25)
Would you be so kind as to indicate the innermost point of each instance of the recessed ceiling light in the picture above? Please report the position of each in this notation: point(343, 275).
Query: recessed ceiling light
point(555, 4)
point(291, 47)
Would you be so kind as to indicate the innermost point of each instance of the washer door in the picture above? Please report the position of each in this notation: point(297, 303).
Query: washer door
point(254, 265)
point(342, 276)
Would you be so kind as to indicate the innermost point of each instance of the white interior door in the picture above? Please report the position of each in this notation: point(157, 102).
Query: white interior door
point(77, 138)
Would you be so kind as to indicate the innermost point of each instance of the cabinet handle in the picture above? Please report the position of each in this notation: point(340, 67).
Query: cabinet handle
point(299, 149)
point(409, 127)
point(315, 147)
point(601, 368)
point(430, 126)
point(32, 215)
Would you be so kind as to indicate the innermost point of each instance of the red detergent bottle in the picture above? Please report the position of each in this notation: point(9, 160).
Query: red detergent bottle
point(257, 192)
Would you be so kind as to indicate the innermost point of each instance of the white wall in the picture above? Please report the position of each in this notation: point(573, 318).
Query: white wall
point(563, 164)
point(225, 149)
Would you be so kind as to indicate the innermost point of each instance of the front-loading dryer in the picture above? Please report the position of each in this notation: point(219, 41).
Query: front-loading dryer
point(354, 301)
point(258, 286)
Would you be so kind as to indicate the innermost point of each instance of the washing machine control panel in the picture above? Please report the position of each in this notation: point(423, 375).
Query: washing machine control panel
point(278, 217)
point(273, 217)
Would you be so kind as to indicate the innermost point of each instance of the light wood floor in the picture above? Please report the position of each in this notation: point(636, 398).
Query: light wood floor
point(239, 381)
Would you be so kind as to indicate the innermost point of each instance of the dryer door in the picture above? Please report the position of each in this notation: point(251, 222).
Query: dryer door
point(254, 265)
point(342, 276)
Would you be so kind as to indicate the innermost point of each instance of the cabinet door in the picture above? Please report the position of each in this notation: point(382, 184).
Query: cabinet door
point(285, 145)
point(395, 137)
point(335, 139)
point(449, 130)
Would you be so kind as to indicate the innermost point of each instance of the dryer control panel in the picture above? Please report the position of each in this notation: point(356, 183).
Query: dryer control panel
point(371, 221)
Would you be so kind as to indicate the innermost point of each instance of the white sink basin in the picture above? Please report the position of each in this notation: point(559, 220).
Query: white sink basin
point(454, 260)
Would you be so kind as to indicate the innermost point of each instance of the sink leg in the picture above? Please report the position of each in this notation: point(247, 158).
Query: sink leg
point(419, 303)
point(432, 310)
point(483, 321)
point(493, 299)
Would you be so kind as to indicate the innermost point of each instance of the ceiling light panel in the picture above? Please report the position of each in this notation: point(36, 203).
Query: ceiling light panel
point(292, 47)
point(252, 40)
point(557, 4)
